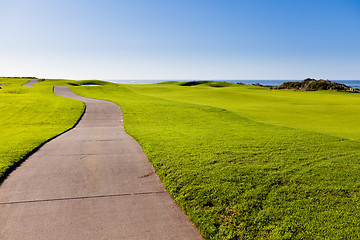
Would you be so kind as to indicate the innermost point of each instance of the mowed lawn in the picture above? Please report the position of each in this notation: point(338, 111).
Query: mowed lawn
point(334, 113)
point(248, 163)
point(30, 116)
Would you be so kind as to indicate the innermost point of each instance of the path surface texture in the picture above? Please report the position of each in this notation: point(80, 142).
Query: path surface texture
point(30, 83)
point(93, 182)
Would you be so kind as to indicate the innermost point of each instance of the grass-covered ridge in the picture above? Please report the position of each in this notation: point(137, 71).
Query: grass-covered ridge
point(207, 83)
point(241, 172)
point(30, 116)
point(88, 82)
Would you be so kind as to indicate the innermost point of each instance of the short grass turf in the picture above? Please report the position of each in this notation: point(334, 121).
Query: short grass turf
point(236, 175)
point(334, 113)
point(30, 116)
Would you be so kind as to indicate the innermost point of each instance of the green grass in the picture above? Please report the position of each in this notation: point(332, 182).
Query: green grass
point(334, 113)
point(30, 116)
point(248, 163)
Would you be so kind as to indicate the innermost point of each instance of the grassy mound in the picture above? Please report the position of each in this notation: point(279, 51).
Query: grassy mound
point(88, 82)
point(241, 178)
point(207, 83)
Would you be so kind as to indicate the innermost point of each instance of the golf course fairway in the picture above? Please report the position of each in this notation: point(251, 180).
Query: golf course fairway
point(246, 162)
point(243, 162)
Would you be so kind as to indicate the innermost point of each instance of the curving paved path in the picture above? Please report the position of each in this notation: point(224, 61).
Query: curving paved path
point(30, 83)
point(93, 182)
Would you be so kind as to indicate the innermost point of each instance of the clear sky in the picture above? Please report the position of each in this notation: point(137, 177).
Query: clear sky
point(180, 39)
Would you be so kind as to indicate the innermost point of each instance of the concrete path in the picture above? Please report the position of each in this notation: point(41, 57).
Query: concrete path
point(93, 182)
point(30, 83)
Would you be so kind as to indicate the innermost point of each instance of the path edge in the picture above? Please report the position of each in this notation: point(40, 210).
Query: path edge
point(29, 84)
point(155, 171)
point(34, 150)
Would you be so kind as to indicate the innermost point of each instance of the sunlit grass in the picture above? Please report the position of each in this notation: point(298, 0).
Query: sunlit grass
point(30, 116)
point(243, 162)
point(248, 163)
point(334, 113)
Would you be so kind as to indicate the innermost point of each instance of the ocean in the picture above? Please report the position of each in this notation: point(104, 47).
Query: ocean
point(350, 83)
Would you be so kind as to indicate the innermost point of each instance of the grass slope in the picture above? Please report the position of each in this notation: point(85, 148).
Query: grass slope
point(334, 113)
point(30, 116)
point(237, 178)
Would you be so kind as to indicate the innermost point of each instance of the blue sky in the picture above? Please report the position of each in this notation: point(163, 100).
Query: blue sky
point(180, 39)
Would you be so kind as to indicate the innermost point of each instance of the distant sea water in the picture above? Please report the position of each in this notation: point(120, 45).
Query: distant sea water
point(350, 83)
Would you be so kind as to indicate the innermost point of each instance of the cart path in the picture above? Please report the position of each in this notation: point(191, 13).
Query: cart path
point(93, 182)
point(30, 83)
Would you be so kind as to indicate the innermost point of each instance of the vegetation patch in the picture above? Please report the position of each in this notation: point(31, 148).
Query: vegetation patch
point(88, 83)
point(241, 172)
point(193, 83)
point(31, 116)
point(208, 83)
point(310, 84)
